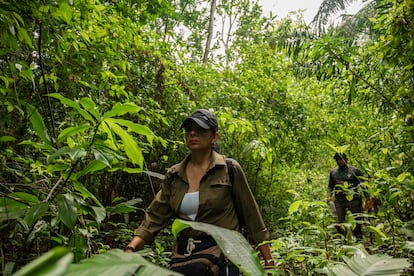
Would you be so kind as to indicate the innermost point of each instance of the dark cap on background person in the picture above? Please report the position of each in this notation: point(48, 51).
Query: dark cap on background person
point(203, 118)
point(339, 155)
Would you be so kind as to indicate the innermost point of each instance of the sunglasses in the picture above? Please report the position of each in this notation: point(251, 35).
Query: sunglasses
point(195, 128)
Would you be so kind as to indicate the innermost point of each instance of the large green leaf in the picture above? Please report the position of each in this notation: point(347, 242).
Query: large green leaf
point(137, 128)
point(24, 197)
point(73, 153)
point(11, 209)
point(99, 213)
point(117, 262)
point(53, 263)
point(232, 243)
point(120, 109)
point(72, 104)
point(68, 213)
point(103, 156)
point(93, 166)
point(85, 193)
point(38, 124)
point(130, 146)
point(63, 11)
point(371, 265)
point(35, 212)
point(79, 245)
point(71, 131)
point(110, 141)
point(124, 207)
point(39, 146)
point(294, 207)
point(90, 106)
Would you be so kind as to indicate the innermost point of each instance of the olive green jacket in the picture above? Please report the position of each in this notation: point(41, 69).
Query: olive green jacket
point(217, 201)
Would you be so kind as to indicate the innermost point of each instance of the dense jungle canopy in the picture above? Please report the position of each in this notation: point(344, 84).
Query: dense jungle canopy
point(93, 92)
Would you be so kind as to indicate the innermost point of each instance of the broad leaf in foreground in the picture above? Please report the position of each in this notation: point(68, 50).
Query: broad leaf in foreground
point(371, 265)
point(232, 243)
point(117, 262)
point(55, 262)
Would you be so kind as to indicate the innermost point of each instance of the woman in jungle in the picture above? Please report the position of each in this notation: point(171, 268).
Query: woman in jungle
point(199, 189)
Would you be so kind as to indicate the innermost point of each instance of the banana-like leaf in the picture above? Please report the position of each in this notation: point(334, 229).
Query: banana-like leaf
point(120, 109)
point(11, 209)
point(294, 207)
point(35, 212)
point(93, 166)
point(377, 231)
point(55, 262)
point(90, 106)
point(85, 193)
point(72, 104)
point(25, 197)
point(117, 262)
point(103, 156)
point(137, 128)
point(68, 213)
point(371, 265)
point(67, 132)
point(99, 213)
point(38, 124)
point(232, 243)
point(130, 146)
point(124, 207)
point(73, 153)
point(110, 140)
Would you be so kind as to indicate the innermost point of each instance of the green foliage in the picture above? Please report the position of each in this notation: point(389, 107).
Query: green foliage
point(58, 262)
point(370, 265)
point(54, 262)
point(93, 94)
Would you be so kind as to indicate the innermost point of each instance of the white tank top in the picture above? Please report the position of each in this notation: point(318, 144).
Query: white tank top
point(189, 205)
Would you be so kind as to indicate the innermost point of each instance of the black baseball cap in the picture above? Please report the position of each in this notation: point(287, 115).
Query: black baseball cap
point(203, 118)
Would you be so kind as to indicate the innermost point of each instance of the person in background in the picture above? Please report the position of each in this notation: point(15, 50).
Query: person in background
point(343, 187)
point(198, 189)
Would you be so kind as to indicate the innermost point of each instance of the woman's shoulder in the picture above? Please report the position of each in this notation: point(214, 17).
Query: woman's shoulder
point(177, 167)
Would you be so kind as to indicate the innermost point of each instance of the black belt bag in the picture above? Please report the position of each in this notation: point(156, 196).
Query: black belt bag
point(196, 256)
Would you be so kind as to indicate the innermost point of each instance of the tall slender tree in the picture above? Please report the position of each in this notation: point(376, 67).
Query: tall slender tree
point(210, 31)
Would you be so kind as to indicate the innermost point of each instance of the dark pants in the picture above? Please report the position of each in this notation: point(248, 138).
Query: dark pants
point(355, 207)
point(227, 268)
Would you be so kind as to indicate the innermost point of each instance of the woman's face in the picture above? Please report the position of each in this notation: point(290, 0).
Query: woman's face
point(198, 138)
point(341, 162)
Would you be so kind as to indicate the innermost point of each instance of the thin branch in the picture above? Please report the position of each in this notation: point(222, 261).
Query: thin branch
point(53, 189)
point(39, 46)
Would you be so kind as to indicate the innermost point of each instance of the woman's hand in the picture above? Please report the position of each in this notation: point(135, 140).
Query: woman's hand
point(137, 243)
point(129, 249)
point(266, 254)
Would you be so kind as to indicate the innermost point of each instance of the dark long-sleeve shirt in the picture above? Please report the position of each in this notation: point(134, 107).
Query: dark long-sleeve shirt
point(344, 181)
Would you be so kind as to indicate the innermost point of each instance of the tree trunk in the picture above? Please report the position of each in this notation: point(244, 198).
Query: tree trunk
point(210, 31)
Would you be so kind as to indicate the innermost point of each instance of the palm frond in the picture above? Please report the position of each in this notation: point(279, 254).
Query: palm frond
point(326, 10)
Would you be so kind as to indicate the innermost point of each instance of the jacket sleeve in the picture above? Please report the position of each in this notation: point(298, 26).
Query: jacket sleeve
point(156, 215)
point(247, 207)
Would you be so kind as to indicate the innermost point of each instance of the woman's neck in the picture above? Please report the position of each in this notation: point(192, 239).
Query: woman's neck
point(200, 159)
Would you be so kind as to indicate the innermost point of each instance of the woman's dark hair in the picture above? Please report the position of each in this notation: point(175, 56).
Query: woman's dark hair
point(216, 146)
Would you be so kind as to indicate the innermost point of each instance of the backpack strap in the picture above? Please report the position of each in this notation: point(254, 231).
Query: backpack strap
point(230, 170)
